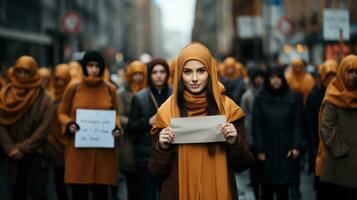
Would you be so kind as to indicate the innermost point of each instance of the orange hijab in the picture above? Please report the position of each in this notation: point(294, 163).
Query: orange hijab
point(76, 72)
point(45, 75)
point(136, 67)
point(327, 67)
point(303, 82)
point(173, 66)
point(337, 94)
point(236, 67)
point(201, 176)
point(61, 72)
point(18, 96)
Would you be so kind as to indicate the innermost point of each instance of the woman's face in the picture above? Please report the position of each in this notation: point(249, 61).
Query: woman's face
point(194, 76)
point(93, 69)
point(138, 77)
point(351, 79)
point(275, 82)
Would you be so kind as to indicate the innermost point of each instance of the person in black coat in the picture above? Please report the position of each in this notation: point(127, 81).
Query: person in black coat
point(142, 115)
point(277, 131)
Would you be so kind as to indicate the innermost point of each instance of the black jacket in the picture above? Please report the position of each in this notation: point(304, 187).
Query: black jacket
point(142, 109)
point(277, 128)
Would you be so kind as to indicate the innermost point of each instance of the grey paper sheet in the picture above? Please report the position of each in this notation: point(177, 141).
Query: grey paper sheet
point(198, 129)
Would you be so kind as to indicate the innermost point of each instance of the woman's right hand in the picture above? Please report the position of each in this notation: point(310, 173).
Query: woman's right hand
point(73, 128)
point(166, 137)
point(261, 157)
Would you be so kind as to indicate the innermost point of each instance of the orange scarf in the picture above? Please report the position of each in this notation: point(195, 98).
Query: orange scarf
point(61, 72)
point(18, 96)
point(338, 95)
point(45, 75)
point(327, 67)
point(302, 83)
point(201, 176)
point(136, 67)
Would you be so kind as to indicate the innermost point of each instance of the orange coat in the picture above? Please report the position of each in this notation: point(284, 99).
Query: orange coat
point(89, 165)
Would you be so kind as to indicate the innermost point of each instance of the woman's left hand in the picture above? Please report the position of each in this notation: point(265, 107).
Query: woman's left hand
point(117, 132)
point(229, 132)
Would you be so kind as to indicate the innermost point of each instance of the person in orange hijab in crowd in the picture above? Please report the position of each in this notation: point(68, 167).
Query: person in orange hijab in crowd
point(89, 167)
point(198, 171)
point(76, 72)
point(61, 79)
point(327, 72)
point(299, 80)
point(232, 76)
point(25, 115)
point(136, 80)
point(336, 161)
point(45, 74)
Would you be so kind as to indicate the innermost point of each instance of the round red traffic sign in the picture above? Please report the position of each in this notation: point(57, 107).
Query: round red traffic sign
point(71, 22)
point(285, 26)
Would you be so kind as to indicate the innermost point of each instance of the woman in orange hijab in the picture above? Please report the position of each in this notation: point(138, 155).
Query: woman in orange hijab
point(61, 79)
point(198, 171)
point(25, 115)
point(336, 161)
point(45, 74)
point(85, 167)
point(299, 80)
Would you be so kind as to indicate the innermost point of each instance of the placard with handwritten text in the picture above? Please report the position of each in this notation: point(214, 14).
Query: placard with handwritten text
point(96, 128)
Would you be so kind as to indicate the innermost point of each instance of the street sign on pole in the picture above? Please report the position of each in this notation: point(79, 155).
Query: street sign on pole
point(335, 22)
point(71, 23)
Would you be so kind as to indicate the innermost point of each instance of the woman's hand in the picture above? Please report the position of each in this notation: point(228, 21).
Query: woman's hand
point(166, 137)
point(294, 153)
point(117, 132)
point(73, 128)
point(229, 132)
point(261, 157)
point(15, 153)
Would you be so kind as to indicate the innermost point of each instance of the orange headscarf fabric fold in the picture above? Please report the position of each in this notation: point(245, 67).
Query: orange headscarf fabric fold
point(18, 96)
point(201, 176)
point(338, 95)
point(302, 83)
point(136, 67)
point(173, 66)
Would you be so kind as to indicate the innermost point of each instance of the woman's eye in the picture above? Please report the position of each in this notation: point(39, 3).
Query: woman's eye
point(201, 71)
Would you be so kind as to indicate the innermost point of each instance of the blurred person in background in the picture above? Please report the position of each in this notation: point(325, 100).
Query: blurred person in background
point(60, 81)
point(136, 80)
point(46, 76)
point(277, 131)
point(337, 150)
point(85, 168)
point(141, 118)
point(232, 77)
point(25, 115)
point(256, 77)
point(327, 71)
point(76, 71)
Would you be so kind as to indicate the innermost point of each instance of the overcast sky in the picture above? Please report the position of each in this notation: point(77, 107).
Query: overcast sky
point(177, 14)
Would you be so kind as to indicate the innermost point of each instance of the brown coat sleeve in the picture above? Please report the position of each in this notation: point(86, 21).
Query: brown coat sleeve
point(38, 136)
point(161, 160)
point(5, 139)
point(239, 156)
point(115, 103)
point(329, 132)
point(64, 111)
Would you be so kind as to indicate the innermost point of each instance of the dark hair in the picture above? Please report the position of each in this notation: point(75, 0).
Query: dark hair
point(93, 56)
point(153, 63)
point(275, 71)
point(255, 72)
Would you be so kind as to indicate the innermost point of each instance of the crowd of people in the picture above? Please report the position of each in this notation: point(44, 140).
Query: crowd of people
point(277, 117)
